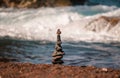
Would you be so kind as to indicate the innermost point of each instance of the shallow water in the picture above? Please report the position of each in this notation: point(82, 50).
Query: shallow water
point(77, 53)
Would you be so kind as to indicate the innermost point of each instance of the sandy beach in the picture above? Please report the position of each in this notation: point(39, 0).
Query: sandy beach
point(28, 70)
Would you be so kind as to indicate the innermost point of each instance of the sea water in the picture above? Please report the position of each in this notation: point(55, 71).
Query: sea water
point(29, 35)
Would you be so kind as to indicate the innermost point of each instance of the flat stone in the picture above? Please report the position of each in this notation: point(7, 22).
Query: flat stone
point(57, 54)
point(57, 57)
point(58, 48)
point(59, 42)
point(57, 62)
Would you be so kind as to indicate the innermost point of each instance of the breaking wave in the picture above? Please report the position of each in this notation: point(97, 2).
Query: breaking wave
point(86, 23)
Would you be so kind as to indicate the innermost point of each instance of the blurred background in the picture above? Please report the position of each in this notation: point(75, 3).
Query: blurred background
point(90, 31)
point(54, 3)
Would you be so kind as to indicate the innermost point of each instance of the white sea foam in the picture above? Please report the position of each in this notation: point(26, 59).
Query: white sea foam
point(42, 23)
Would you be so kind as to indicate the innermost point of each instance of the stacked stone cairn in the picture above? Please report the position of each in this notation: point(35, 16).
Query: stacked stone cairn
point(58, 53)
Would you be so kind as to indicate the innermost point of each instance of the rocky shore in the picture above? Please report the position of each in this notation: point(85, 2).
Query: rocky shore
point(39, 3)
point(54, 3)
point(28, 70)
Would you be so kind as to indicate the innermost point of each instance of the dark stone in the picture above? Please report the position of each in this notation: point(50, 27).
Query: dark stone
point(78, 2)
point(57, 62)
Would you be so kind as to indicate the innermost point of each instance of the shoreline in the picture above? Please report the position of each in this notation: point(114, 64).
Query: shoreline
point(29, 70)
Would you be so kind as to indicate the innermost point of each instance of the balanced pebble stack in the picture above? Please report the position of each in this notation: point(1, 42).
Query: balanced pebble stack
point(58, 53)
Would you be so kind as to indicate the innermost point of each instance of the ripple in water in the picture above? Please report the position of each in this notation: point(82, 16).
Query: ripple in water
point(77, 54)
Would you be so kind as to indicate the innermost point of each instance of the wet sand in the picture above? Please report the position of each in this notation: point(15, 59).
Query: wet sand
point(28, 70)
